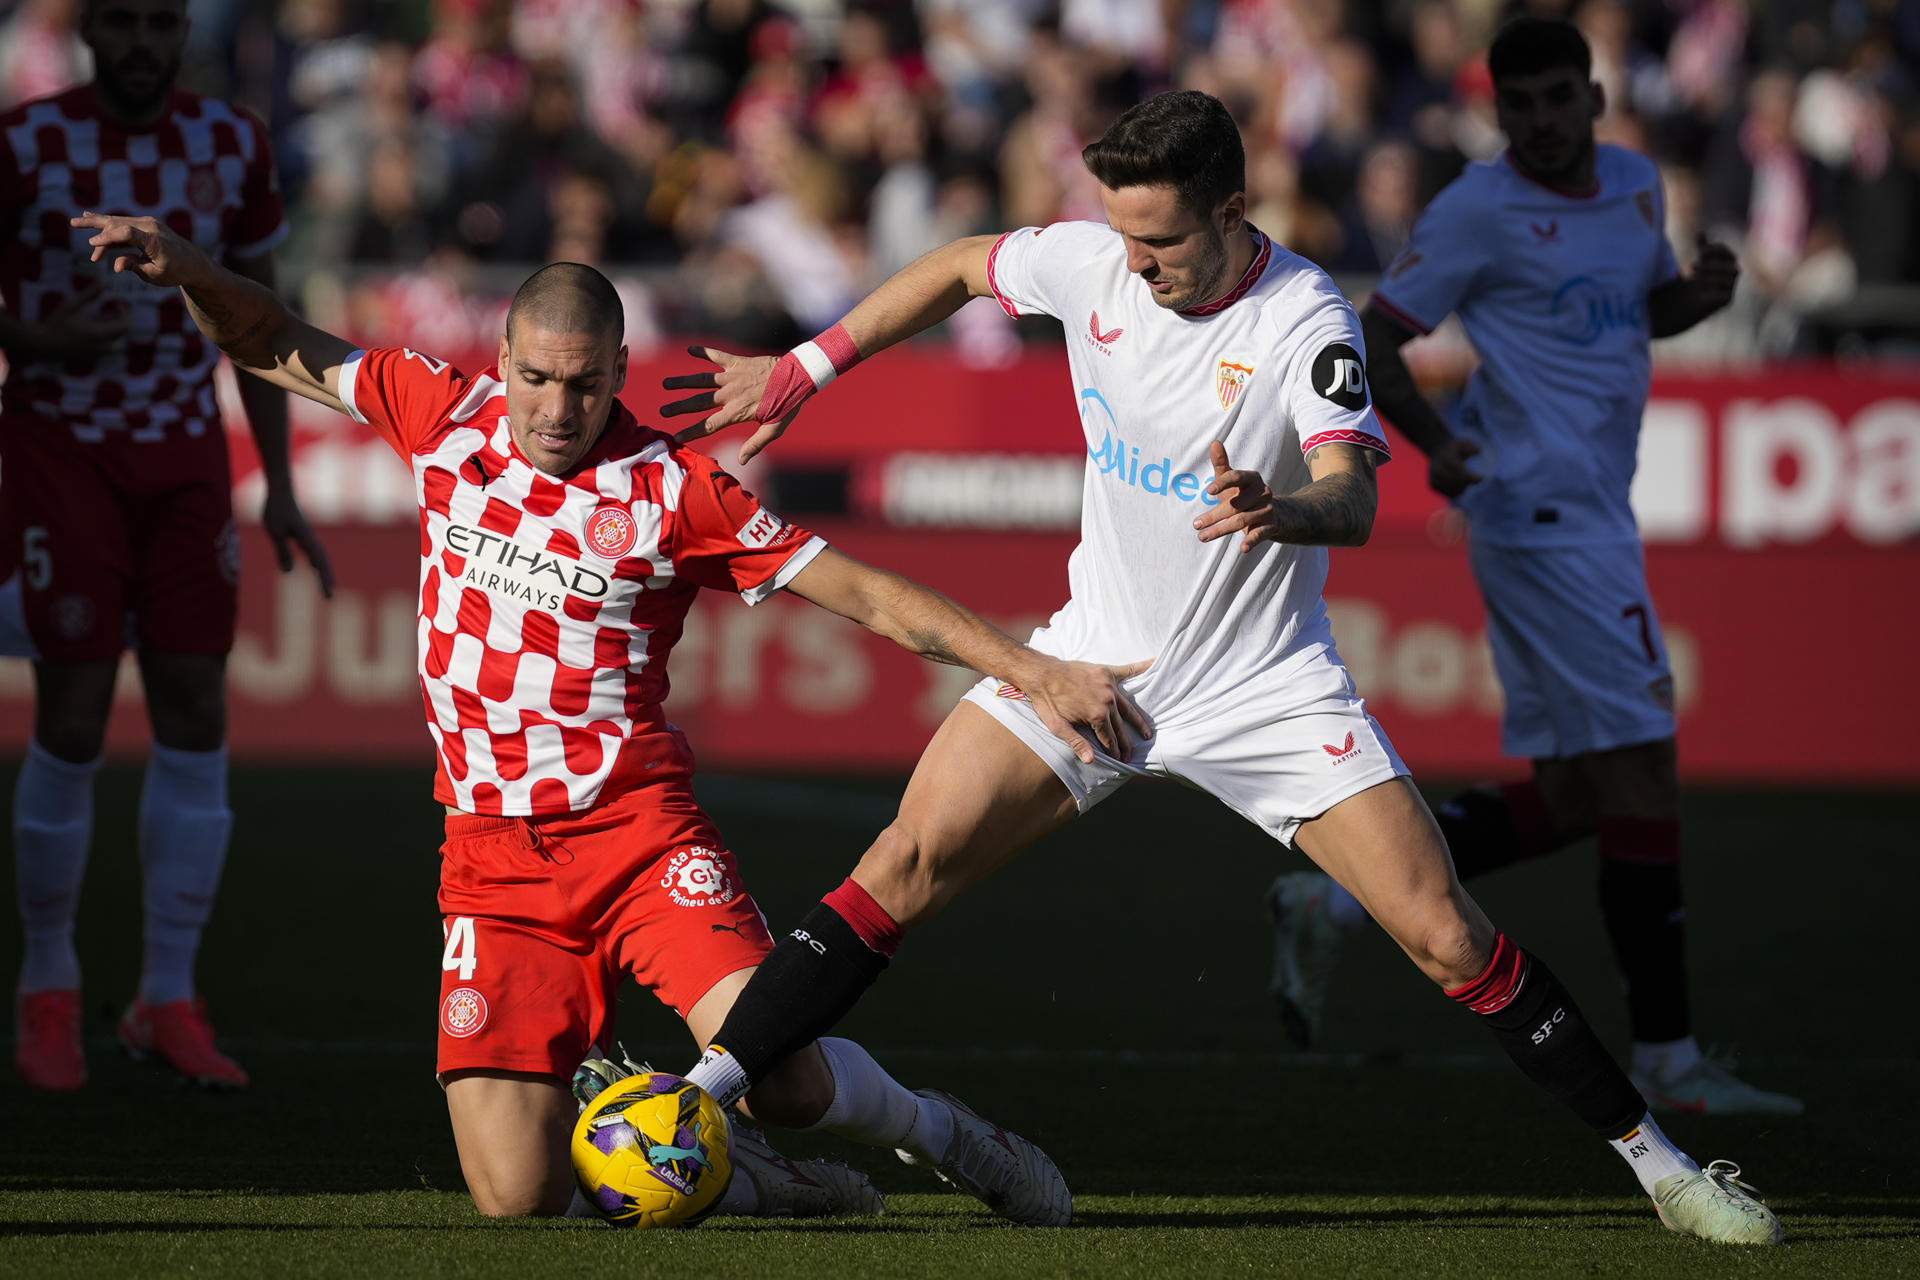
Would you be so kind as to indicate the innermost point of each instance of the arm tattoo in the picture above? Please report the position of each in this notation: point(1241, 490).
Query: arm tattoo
point(1334, 511)
point(930, 643)
point(238, 316)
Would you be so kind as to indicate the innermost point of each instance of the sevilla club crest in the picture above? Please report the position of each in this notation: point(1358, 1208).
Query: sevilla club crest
point(1230, 379)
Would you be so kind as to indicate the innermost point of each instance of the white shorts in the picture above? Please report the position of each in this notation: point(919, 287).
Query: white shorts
point(1277, 756)
point(1578, 648)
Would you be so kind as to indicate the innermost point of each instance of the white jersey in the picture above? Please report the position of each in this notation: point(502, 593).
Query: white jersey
point(1552, 289)
point(1273, 370)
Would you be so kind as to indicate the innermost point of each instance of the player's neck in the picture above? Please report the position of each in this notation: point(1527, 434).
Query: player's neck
point(1240, 252)
point(1581, 178)
point(129, 118)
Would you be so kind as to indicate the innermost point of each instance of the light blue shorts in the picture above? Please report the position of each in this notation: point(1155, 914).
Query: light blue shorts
point(1578, 648)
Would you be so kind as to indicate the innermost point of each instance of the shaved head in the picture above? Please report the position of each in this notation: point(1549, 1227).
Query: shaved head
point(568, 297)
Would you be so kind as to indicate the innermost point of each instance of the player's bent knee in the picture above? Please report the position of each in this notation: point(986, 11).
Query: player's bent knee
point(1452, 951)
point(900, 874)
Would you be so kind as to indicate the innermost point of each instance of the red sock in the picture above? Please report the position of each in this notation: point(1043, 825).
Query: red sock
point(867, 918)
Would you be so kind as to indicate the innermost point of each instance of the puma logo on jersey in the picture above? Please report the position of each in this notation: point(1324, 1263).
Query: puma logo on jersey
point(1102, 340)
point(1342, 753)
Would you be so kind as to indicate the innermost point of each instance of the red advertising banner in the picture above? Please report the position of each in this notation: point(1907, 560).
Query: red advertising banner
point(1794, 666)
point(1782, 512)
point(1788, 456)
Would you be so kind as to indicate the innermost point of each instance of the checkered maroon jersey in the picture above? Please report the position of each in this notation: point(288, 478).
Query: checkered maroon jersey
point(548, 604)
point(206, 171)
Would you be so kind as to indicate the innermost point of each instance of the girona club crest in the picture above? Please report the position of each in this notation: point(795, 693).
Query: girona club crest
point(612, 531)
point(464, 1013)
point(203, 189)
point(1230, 379)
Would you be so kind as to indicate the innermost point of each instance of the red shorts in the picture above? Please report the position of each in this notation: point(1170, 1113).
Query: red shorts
point(104, 531)
point(543, 915)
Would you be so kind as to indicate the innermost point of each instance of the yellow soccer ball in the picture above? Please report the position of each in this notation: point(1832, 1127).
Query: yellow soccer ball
point(653, 1151)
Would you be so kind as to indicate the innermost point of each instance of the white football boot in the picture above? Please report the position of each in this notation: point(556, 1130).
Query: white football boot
point(1715, 1205)
point(1004, 1171)
point(801, 1188)
point(1306, 946)
point(1707, 1088)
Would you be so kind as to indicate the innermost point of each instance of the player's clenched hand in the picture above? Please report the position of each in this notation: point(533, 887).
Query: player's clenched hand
point(145, 246)
point(738, 392)
point(1074, 699)
point(1715, 273)
point(1247, 503)
point(288, 528)
point(1447, 469)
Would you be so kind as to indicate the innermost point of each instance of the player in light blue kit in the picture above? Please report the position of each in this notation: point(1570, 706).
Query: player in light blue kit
point(1554, 255)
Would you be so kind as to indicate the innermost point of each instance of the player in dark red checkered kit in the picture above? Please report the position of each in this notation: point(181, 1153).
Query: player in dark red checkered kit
point(561, 545)
point(116, 514)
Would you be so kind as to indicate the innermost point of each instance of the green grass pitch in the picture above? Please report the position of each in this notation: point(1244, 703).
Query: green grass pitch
point(1106, 995)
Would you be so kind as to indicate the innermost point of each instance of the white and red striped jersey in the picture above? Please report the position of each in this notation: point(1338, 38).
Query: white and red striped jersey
point(548, 604)
point(205, 170)
point(1274, 370)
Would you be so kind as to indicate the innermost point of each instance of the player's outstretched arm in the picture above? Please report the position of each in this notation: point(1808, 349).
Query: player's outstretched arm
point(1071, 698)
point(1396, 395)
point(770, 391)
point(241, 317)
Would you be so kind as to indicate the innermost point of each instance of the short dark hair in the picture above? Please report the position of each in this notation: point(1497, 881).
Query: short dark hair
point(569, 297)
point(1528, 46)
point(1185, 139)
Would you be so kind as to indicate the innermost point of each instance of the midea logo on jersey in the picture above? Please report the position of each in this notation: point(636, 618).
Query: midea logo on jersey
point(1114, 458)
point(1587, 309)
point(500, 565)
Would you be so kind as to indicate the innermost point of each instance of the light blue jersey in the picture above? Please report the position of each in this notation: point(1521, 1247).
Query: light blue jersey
point(1552, 289)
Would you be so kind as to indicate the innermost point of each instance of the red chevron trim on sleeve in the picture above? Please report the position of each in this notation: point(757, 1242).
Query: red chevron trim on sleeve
point(993, 281)
point(1364, 439)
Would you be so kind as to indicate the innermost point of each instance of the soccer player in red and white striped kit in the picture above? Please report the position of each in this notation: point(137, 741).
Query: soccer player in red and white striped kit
point(561, 546)
point(116, 514)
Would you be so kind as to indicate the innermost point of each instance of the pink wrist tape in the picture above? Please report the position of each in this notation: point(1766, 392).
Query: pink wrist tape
point(804, 370)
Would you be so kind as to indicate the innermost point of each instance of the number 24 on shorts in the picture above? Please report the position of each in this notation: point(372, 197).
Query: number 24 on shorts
point(460, 952)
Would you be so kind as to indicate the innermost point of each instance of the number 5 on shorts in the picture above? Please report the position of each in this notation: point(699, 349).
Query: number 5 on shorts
point(39, 559)
point(460, 953)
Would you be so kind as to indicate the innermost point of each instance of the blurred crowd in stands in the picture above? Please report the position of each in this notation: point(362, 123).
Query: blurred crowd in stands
point(748, 168)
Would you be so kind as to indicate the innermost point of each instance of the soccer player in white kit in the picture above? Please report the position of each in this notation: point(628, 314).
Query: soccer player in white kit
point(1555, 257)
point(1222, 392)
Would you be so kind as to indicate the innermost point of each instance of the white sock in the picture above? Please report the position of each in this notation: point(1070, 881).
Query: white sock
point(1343, 908)
point(1665, 1059)
point(52, 830)
point(720, 1074)
point(871, 1107)
point(1651, 1154)
point(184, 825)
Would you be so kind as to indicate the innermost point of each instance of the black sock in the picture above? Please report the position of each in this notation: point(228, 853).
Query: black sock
point(1492, 827)
point(1536, 1021)
point(812, 978)
point(1645, 914)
